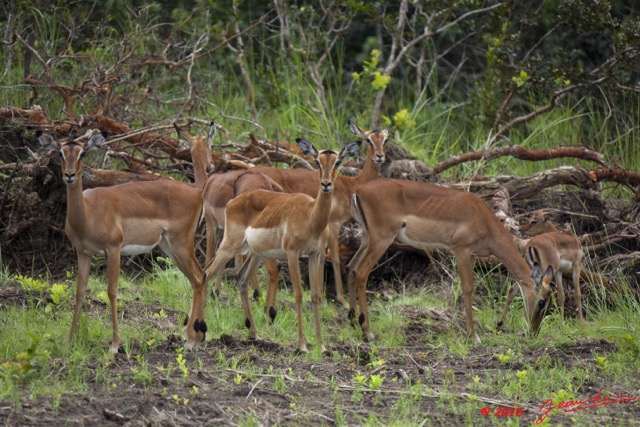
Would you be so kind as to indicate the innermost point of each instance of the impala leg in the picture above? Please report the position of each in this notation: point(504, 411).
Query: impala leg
point(215, 267)
point(253, 279)
point(248, 268)
point(113, 272)
point(182, 252)
point(334, 248)
point(294, 272)
point(369, 258)
point(84, 266)
point(561, 296)
point(465, 270)
point(512, 293)
point(351, 282)
point(273, 272)
point(576, 285)
point(212, 237)
point(255, 285)
point(212, 243)
point(316, 262)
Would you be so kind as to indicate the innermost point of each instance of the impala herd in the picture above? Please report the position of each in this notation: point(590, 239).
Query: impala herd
point(271, 214)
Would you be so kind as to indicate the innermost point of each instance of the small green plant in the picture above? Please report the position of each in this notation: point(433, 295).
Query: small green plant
point(360, 379)
point(180, 400)
point(28, 362)
point(30, 284)
point(375, 381)
point(279, 385)
point(182, 364)
point(59, 293)
point(506, 357)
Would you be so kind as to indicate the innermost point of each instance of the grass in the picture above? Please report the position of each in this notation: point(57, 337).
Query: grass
point(38, 362)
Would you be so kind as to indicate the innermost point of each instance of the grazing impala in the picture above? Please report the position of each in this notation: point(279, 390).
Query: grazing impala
point(222, 186)
point(129, 219)
point(555, 252)
point(283, 226)
point(426, 216)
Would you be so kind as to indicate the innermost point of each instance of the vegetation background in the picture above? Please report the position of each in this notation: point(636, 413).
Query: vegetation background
point(446, 77)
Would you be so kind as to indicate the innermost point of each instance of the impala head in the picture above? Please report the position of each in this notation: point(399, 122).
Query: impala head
point(198, 143)
point(537, 298)
point(538, 223)
point(376, 141)
point(72, 152)
point(328, 161)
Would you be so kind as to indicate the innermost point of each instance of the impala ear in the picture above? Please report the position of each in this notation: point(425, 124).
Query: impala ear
point(97, 140)
point(178, 129)
point(351, 149)
point(532, 256)
point(306, 147)
point(355, 129)
point(211, 133)
point(47, 141)
point(536, 274)
point(182, 135)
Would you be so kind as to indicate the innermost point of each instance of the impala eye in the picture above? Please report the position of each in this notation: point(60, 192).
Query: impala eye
point(369, 140)
point(541, 304)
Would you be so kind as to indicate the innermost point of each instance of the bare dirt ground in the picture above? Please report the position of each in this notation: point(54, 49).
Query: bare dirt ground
point(267, 383)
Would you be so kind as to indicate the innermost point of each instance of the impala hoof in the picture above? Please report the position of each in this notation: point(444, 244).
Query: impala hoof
point(302, 349)
point(272, 314)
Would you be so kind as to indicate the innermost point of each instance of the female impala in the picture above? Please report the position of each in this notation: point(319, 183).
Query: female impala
point(129, 219)
point(427, 216)
point(221, 188)
point(554, 252)
point(283, 226)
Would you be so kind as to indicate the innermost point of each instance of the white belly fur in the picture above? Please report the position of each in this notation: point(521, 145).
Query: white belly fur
point(403, 238)
point(266, 242)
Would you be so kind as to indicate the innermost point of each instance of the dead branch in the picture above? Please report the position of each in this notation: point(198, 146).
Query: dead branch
point(522, 153)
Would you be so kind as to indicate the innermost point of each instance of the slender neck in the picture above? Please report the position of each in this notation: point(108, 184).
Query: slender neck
point(369, 172)
point(76, 211)
point(320, 212)
point(201, 159)
point(549, 227)
point(509, 255)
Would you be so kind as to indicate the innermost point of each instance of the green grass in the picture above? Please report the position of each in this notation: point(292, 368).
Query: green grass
point(38, 362)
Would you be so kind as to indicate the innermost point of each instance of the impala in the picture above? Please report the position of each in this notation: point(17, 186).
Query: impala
point(200, 147)
point(223, 186)
point(555, 252)
point(219, 192)
point(129, 219)
point(304, 181)
point(283, 226)
point(426, 216)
